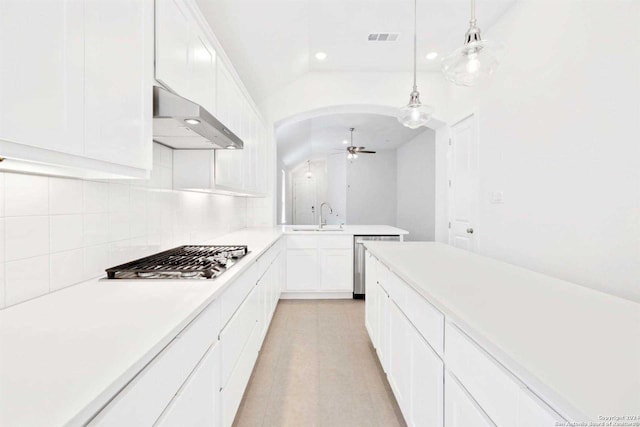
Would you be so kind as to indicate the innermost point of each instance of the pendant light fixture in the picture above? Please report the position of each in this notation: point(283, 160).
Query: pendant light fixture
point(309, 174)
point(415, 114)
point(475, 60)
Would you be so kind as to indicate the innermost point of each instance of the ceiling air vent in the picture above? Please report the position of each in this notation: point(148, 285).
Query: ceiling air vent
point(383, 37)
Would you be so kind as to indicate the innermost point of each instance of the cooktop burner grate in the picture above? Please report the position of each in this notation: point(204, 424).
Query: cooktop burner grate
point(183, 262)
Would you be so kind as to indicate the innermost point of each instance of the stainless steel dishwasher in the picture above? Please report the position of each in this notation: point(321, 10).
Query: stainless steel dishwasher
point(358, 261)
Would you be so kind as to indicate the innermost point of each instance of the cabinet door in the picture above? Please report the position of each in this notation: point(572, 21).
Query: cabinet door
point(370, 302)
point(197, 403)
point(228, 170)
point(460, 409)
point(42, 73)
point(172, 45)
point(427, 391)
point(302, 269)
point(383, 329)
point(202, 71)
point(336, 269)
point(249, 153)
point(118, 81)
point(399, 372)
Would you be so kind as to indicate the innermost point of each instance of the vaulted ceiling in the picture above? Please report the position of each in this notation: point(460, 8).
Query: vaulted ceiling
point(273, 42)
point(321, 136)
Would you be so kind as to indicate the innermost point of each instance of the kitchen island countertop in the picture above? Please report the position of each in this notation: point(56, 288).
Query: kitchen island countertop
point(577, 348)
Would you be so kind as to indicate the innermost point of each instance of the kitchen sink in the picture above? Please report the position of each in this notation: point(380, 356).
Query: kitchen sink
point(316, 228)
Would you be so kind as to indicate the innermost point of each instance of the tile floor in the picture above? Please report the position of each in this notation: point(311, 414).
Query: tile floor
point(317, 368)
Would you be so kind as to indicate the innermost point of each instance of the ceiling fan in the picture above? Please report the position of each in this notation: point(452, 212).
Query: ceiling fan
point(353, 151)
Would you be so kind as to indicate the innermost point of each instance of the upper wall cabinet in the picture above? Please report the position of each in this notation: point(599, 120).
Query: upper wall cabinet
point(75, 86)
point(185, 59)
point(190, 62)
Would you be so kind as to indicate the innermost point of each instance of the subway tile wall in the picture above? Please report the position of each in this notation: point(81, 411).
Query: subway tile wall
point(57, 232)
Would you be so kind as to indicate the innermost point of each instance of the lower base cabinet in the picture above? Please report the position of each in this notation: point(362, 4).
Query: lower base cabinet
point(416, 345)
point(319, 264)
point(415, 372)
point(200, 377)
point(198, 401)
point(460, 410)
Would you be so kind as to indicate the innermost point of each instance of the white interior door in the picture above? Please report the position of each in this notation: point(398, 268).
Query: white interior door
point(463, 185)
point(304, 201)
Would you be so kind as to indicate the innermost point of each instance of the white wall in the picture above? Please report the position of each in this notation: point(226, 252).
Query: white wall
point(326, 89)
point(56, 232)
point(416, 186)
point(337, 187)
point(559, 131)
point(371, 189)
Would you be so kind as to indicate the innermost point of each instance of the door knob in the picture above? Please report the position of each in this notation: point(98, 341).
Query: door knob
point(470, 230)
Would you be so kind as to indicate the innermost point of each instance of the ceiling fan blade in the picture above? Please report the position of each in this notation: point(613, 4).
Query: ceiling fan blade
point(366, 152)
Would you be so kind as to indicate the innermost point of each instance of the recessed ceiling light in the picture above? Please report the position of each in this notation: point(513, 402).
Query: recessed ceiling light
point(231, 147)
point(432, 55)
point(321, 56)
point(192, 121)
point(345, 142)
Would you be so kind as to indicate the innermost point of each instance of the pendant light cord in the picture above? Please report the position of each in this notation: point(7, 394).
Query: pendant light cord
point(473, 12)
point(415, 42)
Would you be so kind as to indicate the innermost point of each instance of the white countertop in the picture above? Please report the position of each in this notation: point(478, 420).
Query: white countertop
point(577, 348)
point(64, 355)
point(352, 230)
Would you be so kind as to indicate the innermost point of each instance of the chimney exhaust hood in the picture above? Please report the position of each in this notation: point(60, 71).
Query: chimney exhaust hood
point(184, 125)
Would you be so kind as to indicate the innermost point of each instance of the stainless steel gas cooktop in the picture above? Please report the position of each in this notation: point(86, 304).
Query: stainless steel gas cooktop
point(183, 262)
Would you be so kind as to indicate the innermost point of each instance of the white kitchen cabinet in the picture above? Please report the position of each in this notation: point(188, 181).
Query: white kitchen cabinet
point(79, 102)
point(202, 73)
point(302, 270)
point(228, 163)
point(399, 372)
point(172, 45)
point(371, 298)
point(427, 391)
point(336, 270)
point(320, 264)
point(142, 401)
point(185, 59)
point(460, 408)
point(198, 400)
point(117, 84)
point(384, 329)
point(42, 74)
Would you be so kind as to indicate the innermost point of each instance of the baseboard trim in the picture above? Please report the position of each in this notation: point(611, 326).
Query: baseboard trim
point(316, 295)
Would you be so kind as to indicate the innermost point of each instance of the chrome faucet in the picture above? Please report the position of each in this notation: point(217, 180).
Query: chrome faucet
point(323, 221)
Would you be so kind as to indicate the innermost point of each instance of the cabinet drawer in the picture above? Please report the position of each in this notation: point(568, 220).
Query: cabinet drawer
point(335, 242)
point(460, 410)
point(490, 384)
point(267, 258)
point(198, 401)
point(425, 317)
point(237, 292)
point(302, 242)
point(145, 397)
point(236, 333)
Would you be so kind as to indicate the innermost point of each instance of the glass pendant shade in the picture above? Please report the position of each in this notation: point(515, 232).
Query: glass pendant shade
point(473, 62)
point(415, 114)
point(476, 60)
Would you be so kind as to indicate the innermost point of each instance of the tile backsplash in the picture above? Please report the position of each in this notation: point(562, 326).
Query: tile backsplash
point(56, 232)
